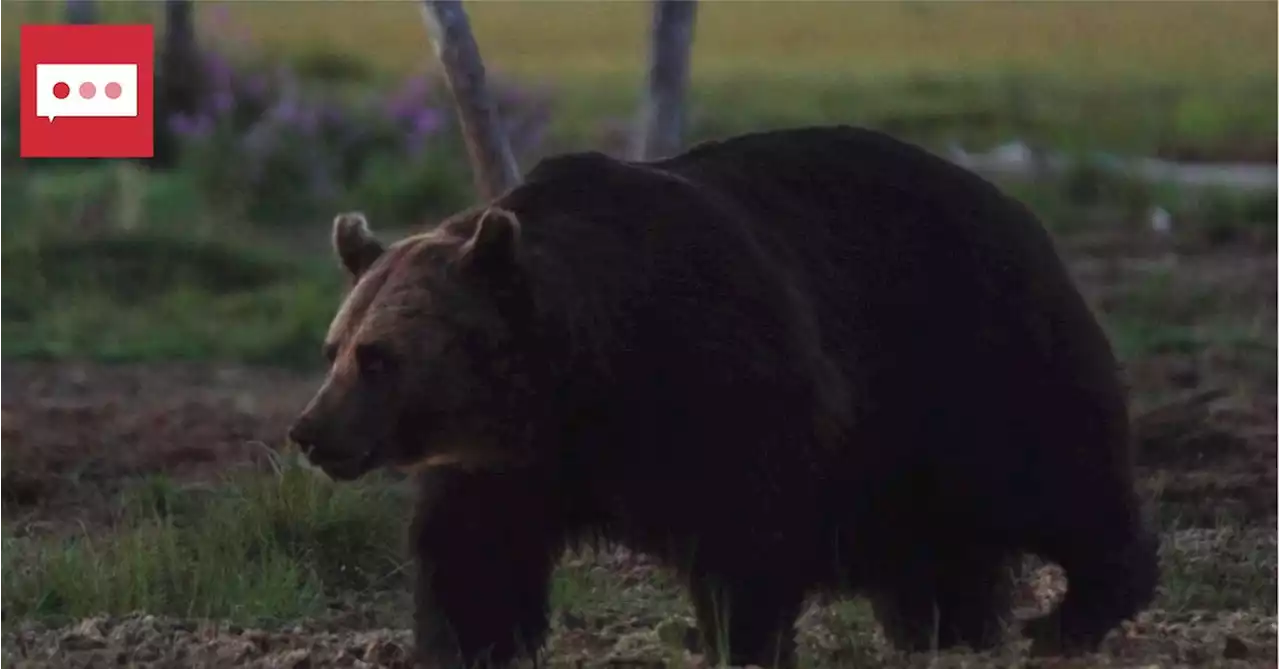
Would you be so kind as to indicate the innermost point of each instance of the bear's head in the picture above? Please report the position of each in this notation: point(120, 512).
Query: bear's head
point(424, 352)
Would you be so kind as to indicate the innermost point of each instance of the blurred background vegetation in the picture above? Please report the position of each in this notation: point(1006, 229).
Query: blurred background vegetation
point(305, 108)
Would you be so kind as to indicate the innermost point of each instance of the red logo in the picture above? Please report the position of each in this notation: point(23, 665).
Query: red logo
point(87, 91)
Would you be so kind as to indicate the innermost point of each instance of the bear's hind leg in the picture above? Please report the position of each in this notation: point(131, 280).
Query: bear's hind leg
point(975, 598)
point(1112, 573)
point(905, 611)
point(746, 620)
point(486, 549)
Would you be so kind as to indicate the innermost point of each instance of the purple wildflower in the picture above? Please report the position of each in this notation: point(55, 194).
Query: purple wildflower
point(292, 114)
point(223, 102)
point(428, 121)
point(286, 110)
point(257, 146)
point(191, 127)
point(404, 103)
point(219, 70)
point(332, 114)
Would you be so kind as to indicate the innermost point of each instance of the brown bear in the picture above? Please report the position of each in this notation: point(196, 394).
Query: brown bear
point(791, 362)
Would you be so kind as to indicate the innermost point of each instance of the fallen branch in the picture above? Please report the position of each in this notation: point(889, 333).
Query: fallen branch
point(1016, 161)
point(1176, 421)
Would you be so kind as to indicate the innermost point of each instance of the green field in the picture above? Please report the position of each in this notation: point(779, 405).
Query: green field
point(160, 333)
point(1136, 75)
point(556, 40)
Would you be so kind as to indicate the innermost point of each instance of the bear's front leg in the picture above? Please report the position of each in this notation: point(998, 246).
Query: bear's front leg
point(485, 545)
point(746, 613)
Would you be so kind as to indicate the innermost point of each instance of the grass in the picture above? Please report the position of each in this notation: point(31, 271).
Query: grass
point(1230, 567)
point(137, 296)
point(252, 549)
point(255, 549)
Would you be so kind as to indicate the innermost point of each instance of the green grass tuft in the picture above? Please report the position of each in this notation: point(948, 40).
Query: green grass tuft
point(259, 548)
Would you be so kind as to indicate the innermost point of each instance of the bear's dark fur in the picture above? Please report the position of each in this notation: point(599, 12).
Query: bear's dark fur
point(810, 360)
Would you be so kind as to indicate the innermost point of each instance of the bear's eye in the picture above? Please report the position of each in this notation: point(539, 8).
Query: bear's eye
point(331, 352)
point(374, 359)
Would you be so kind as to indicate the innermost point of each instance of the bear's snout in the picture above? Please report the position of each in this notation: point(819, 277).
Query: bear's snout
point(302, 433)
point(321, 448)
point(308, 435)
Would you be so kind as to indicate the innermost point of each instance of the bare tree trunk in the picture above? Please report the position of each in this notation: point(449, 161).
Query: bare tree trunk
point(82, 12)
point(662, 116)
point(179, 26)
point(179, 78)
point(494, 164)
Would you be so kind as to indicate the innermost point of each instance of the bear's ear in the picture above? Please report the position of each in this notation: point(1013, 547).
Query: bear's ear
point(354, 243)
point(495, 242)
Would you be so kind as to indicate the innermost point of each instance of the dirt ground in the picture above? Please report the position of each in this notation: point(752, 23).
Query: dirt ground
point(75, 433)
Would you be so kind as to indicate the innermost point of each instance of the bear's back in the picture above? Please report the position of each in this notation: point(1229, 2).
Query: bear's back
point(898, 245)
point(856, 207)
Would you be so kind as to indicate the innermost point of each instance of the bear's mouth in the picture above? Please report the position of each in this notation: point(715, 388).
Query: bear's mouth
point(347, 468)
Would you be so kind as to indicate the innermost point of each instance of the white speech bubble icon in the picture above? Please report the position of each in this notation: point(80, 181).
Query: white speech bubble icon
point(86, 90)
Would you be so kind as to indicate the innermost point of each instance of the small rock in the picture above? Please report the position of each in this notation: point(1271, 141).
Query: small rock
point(258, 638)
point(296, 659)
point(1161, 220)
point(1016, 152)
point(78, 642)
point(90, 627)
point(382, 652)
point(1235, 649)
point(246, 403)
point(86, 636)
point(236, 651)
point(1195, 655)
point(678, 633)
